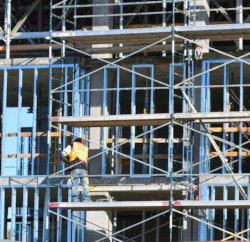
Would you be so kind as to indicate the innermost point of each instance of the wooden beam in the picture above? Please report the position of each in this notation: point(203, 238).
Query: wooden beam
point(137, 156)
point(37, 155)
point(31, 47)
point(231, 154)
point(38, 134)
point(229, 130)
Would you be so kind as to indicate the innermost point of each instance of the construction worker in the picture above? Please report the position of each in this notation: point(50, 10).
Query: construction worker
point(75, 153)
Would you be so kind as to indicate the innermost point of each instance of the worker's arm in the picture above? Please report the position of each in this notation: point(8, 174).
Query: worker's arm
point(66, 152)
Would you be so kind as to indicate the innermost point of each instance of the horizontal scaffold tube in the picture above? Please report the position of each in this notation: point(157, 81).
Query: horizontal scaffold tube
point(150, 205)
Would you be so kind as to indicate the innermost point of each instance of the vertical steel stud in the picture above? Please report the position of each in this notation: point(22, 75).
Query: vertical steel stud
point(2, 212)
point(19, 167)
point(33, 149)
point(24, 214)
point(36, 215)
point(4, 105)
point(13, 214)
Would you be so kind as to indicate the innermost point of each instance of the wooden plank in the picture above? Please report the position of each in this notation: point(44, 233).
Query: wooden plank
point(17, 48)
point(39, 134)
point(37, 155)
point(137, 156)
point(231, 154)
point(229, 130)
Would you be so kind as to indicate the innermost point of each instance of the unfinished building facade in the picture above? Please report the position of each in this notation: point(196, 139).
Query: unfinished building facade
point(158, 90)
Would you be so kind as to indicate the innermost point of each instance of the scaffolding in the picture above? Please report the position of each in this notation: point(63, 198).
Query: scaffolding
point(154, 121)
point(189, 116)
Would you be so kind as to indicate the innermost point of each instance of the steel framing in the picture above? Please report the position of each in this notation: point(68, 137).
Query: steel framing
point(21, 69)
point(81, 89)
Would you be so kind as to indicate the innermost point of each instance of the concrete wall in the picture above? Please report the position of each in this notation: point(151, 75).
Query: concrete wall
point(100, 221)
point(200, 19)
point(96, 99)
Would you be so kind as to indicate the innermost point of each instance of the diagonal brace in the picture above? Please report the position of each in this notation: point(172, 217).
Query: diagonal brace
point(24, 17)
point(217, 149)
point(210, 70)
point(239, 233)
point(133, 225)
point(64, 217)
point(214, 49)
point(223, 11)
point(209, 224)
point(113, 63)
point(113, 149)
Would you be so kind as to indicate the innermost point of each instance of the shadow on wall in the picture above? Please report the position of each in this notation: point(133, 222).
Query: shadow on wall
point(92, 236)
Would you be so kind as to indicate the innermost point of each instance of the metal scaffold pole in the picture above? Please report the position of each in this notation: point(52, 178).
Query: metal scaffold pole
point(7, 26)
point(171, 127)
point(47, 196)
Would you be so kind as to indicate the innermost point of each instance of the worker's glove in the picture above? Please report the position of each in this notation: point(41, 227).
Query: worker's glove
point(65, 156)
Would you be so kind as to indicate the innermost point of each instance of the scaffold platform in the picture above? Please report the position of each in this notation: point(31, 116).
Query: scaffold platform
point(143, 35)
point(150, 205)
point(151, 119)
